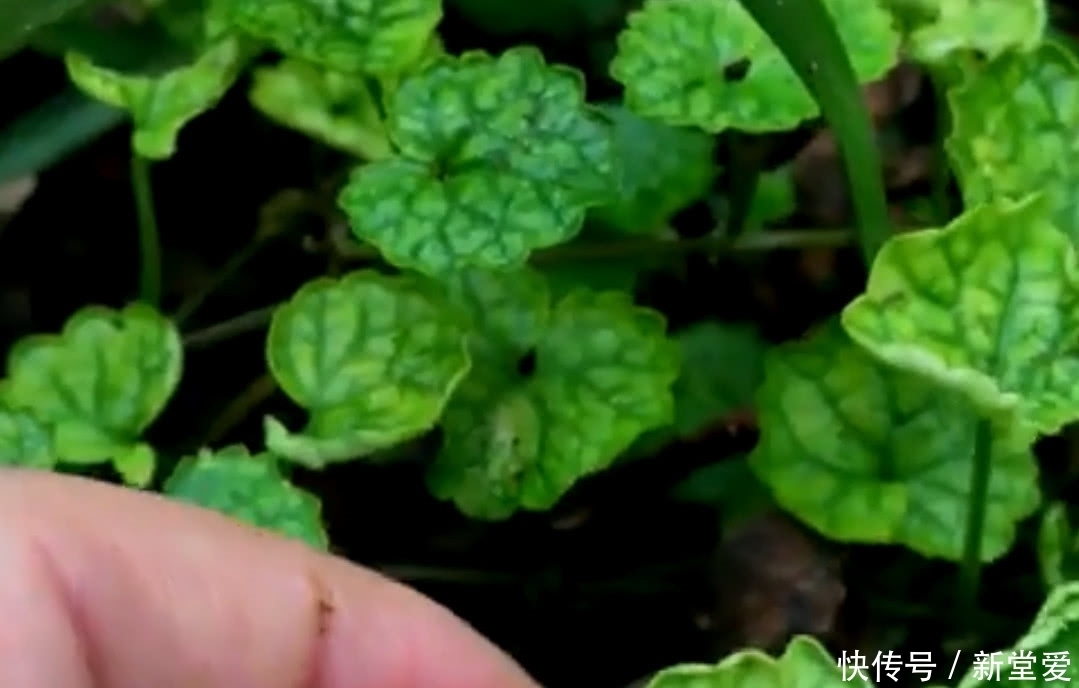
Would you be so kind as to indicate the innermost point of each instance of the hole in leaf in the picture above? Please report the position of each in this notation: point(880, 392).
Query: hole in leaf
point(736, 71)
point(526, 365)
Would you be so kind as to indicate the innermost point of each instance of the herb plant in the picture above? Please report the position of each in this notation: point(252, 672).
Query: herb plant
point(908, 419)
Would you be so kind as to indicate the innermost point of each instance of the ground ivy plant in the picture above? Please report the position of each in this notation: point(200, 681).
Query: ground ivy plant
point(912, 411)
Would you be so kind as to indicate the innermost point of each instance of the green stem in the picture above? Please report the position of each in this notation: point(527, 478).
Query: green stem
point(584, 251)
point(149, 241)
point(233, 266)
point(971, 565)
point(805, 33)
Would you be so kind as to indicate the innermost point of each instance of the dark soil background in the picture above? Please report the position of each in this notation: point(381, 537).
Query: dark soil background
point(619, 580)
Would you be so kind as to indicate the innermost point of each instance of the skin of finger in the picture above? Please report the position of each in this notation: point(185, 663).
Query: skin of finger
point(133, 590)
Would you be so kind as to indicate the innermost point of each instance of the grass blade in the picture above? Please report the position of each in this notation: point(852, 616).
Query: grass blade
point(803, 31)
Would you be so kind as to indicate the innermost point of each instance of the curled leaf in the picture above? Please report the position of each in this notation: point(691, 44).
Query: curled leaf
point(161, 105)
point(250, 489)
point(555, 393)
point(987, 306)
point(496, 157)
point(99, 384)
point(708, 64)
point(333, 107)
point(372, 358)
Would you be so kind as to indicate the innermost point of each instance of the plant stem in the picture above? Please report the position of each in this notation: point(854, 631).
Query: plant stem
point(971, 565)
point(245, 322)
point(227, 271)
point(149, 241)
point(240, 408)
point(754, 242)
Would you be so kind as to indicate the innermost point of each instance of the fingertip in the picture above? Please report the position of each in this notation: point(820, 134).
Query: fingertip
point(172, 595)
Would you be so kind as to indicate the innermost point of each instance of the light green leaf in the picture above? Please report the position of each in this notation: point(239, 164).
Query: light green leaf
point(679, 61)
point(991, 27)
point(722, 367)
point(98, 384)
point(1052, 643)
point(866, 453)
point(1056, 544)
point(161, 105)
point(497, 157)
point(354, 36)
point(333, 107)
point(19, 19)
point(24, 440)
point(249, 489)
point(988, 306)
point(1014, 131)
point(804, 664)
point(372, 358)
point(517, 438)
point(664, 170)
point(773, 200)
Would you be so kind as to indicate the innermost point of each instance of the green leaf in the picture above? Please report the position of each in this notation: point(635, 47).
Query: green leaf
point(517, 438)
point(729, 485)
point(497, 157)
point(372, 358)
point(98, 384)
point(664, 170)
point(125, 43)
point(1051, 643)
point(24, 440)
point(161, 105)
point(988, 306)
point(333, 107)
point(1014, 123)
point(722, 368)
point(1055, 543)
point(867, 453)
point(19, 19)
point(774, 198)
point(678, 58)
point(381, 37)
point(804, 664)
point(991, 27)
point(249, 489)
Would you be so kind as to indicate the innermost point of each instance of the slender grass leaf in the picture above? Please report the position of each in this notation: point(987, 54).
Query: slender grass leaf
point(807, 37)
point(52, 131)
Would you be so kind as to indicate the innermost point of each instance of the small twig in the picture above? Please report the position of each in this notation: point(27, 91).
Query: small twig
point(754, 242)
point(241, 324)
point(220, 278)
point(240, 407)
